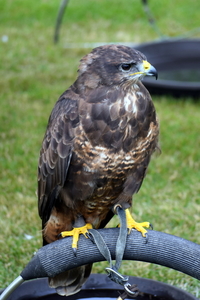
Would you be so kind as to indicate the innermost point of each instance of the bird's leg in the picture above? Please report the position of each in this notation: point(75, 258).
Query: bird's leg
point(80, 227)
point(132, 224)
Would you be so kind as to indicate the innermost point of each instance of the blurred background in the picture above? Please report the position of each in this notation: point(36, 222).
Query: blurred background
point(34, 72)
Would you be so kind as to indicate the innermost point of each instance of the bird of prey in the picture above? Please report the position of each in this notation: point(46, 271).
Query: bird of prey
point(100, 136)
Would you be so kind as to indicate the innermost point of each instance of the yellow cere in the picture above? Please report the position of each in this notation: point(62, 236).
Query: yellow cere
point(146, 64)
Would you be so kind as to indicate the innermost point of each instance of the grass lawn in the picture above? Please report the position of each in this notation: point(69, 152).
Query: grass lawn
point(34, 72)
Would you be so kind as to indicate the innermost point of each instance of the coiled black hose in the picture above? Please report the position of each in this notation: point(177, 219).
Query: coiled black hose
point(161, 248)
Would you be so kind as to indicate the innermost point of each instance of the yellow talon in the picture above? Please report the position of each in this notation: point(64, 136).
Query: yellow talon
point(76, 232)
point(131, 223)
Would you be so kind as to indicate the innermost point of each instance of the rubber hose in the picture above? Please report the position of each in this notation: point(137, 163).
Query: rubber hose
point(160, 248)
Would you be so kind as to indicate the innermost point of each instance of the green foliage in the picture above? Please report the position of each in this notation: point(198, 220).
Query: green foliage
point(34, 72)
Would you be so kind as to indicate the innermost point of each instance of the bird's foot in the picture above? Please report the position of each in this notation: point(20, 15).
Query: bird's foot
point(132, 224)
point(75, 232)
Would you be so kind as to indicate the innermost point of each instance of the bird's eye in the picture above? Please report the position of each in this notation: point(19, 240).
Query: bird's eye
point(126, 67)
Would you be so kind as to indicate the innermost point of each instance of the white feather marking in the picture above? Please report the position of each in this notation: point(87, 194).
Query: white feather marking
point(91, 183)
point(87, 169)
point(99, 148)
point(149, 133)
point(103, 155)
point(129, 103)
point(128, 157)
point(139, 93)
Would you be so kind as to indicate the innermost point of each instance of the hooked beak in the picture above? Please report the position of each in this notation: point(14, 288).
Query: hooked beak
point(149, 70)
point(146, 69)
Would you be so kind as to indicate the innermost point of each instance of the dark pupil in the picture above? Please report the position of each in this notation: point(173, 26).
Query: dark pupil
point(126, 67)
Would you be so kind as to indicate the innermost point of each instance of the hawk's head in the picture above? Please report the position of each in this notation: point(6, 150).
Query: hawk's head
point(114, 65)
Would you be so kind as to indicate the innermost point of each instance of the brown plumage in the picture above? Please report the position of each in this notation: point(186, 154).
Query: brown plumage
point(97, 147)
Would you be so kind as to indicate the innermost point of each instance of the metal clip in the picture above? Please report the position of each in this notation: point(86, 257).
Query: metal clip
point(128, 291)
point(116, 276)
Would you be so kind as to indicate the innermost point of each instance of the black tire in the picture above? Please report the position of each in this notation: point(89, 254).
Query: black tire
point(160, 248)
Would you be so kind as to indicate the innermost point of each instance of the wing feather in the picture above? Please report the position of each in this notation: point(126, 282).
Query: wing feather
point(56, 153)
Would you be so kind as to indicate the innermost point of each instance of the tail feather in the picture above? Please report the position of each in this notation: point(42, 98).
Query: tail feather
point(70, 282)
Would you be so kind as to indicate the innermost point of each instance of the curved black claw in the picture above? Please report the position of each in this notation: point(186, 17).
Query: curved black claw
point(74, 251)
point(151, 226)
point(146, 238)
point(89, 236)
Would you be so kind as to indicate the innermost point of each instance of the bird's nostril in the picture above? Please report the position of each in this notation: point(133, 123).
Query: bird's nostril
point(146, 65)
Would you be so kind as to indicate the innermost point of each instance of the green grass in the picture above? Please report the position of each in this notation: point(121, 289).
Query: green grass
point(34, 72)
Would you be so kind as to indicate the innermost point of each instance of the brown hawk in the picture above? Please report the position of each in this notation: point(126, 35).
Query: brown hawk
point(96, 149)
